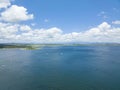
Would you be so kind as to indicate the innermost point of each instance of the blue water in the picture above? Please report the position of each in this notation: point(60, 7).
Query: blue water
point(61, 68)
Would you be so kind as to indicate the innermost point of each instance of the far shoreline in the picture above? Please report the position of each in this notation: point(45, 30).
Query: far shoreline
point(40, 45)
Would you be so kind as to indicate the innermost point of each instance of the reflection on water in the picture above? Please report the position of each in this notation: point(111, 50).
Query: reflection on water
point(61, 68)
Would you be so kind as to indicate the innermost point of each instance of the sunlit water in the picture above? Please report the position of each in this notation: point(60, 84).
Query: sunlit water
point(61, 68)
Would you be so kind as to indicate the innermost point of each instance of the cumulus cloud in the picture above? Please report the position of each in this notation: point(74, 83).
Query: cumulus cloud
point(11, 32)
point(15, 14)
point(7, 31)
point(25, 28)
point(4, 3)
point(116, 22)
point(101, 33)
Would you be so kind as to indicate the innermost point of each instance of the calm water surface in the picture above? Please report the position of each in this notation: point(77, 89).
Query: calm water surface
point(61, 68)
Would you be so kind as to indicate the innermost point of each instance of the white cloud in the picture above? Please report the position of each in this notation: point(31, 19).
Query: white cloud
point(25, 28)
point(6, 28)
point(4, 3)
point(116, 22)
point(8, 31)
point(102, 33)
point(40, 35)
point(12, 32)
point(15, 14)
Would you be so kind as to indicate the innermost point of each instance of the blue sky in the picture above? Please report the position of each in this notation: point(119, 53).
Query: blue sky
point(71, 15)
point(59, 21)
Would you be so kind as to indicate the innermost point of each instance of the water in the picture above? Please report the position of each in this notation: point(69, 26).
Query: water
point(61, 68)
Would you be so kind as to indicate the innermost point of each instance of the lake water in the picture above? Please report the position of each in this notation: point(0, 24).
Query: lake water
point(61, 68)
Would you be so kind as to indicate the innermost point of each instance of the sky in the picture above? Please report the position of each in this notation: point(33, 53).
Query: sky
point(59, 21)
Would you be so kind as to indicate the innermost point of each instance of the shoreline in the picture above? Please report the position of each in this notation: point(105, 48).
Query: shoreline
point(37, 46)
